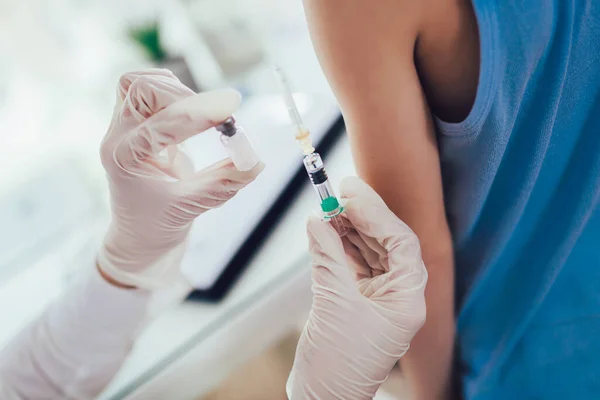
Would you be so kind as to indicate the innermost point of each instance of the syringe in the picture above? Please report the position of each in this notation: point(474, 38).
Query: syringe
point(302, 134)
point(312, 161)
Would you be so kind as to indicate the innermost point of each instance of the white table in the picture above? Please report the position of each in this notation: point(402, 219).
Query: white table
point(192, 347)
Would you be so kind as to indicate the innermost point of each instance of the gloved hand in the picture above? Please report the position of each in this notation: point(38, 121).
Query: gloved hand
point(368, 300)
point(155, 193)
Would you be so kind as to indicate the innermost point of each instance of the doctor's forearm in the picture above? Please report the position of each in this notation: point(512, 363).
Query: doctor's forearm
point(427, 365)
point(75, 347)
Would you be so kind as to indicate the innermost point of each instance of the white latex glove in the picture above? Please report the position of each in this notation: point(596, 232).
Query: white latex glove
point(155, 193)
point(368, 300)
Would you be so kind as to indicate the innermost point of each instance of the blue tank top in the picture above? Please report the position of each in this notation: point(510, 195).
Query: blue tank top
point(521, 178)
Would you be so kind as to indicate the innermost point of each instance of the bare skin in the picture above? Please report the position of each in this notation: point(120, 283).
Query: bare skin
point(392, 64)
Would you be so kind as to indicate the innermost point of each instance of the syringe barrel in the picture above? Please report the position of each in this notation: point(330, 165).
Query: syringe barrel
point(329, 203)
point(324, 190)
point(314, 165)
point(316, 172)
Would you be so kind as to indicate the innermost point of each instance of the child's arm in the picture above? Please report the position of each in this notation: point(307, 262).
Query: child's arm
point(367, 52)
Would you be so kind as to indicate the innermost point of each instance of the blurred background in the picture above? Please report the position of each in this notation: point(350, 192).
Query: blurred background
point(60, 61)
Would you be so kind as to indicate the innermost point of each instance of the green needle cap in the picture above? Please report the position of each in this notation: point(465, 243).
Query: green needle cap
point(330, 204)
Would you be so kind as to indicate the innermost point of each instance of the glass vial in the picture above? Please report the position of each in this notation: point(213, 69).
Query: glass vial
point(237, 144)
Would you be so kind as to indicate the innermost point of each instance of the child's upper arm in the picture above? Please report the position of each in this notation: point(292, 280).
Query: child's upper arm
point(367, 53)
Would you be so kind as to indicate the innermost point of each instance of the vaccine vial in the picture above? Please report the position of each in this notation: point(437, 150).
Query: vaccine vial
point(238, 145)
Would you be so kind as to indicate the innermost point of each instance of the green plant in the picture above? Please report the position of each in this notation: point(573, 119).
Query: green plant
point(148, 37)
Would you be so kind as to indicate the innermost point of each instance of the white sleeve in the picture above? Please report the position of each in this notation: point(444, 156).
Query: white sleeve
point(74, 348)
